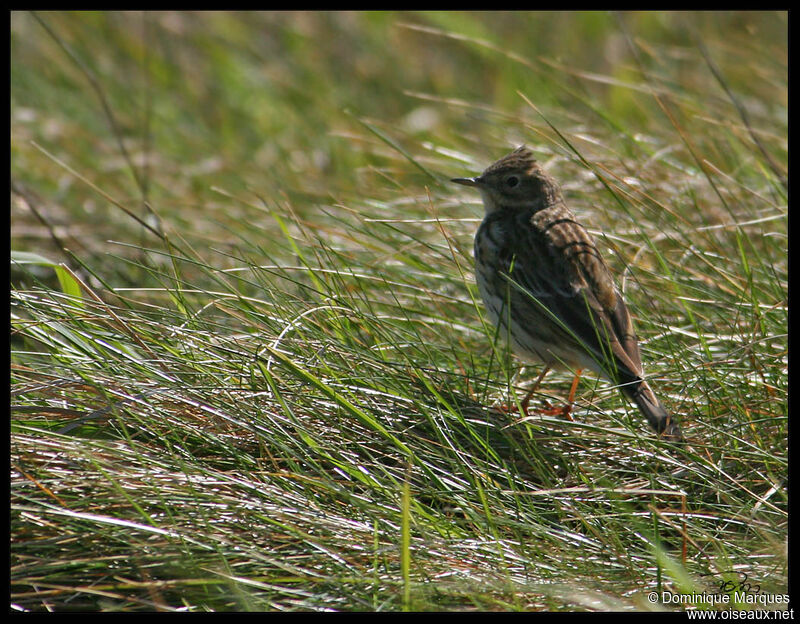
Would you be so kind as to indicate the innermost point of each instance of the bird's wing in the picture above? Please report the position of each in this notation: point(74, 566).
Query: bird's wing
point(564, 272)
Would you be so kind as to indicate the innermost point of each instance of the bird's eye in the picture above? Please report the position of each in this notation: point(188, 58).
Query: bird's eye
point(512, 181)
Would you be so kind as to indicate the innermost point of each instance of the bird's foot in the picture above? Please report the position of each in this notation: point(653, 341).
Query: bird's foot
point(565, 411)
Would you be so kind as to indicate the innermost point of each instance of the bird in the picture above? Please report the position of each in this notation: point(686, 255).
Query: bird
point(547, 288)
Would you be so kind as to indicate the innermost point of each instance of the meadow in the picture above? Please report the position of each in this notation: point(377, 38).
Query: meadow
point(249, 365)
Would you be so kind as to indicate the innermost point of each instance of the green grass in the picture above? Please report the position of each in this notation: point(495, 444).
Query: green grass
point(249, 370)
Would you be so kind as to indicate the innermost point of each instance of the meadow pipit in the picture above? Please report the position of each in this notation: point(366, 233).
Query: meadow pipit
point(547, 288)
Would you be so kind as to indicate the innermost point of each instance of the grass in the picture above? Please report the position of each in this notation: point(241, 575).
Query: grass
point(249, 369)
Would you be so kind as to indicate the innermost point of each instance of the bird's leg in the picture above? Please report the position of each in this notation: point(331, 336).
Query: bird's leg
point(549, 410)
point(566, 410)
point(526, 401)
point(571, 398)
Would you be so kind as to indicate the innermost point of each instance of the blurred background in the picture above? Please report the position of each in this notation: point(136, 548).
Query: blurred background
point(271, 102)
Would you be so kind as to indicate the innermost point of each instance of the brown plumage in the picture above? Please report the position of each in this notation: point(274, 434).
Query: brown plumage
point(548, 289)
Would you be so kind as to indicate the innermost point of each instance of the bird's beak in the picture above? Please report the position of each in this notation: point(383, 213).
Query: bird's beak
point(467, 181)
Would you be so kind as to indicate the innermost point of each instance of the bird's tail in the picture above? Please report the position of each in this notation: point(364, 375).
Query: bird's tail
point(662, 421)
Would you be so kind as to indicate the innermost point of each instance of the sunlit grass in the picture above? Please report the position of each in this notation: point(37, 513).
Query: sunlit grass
point(262, 380)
